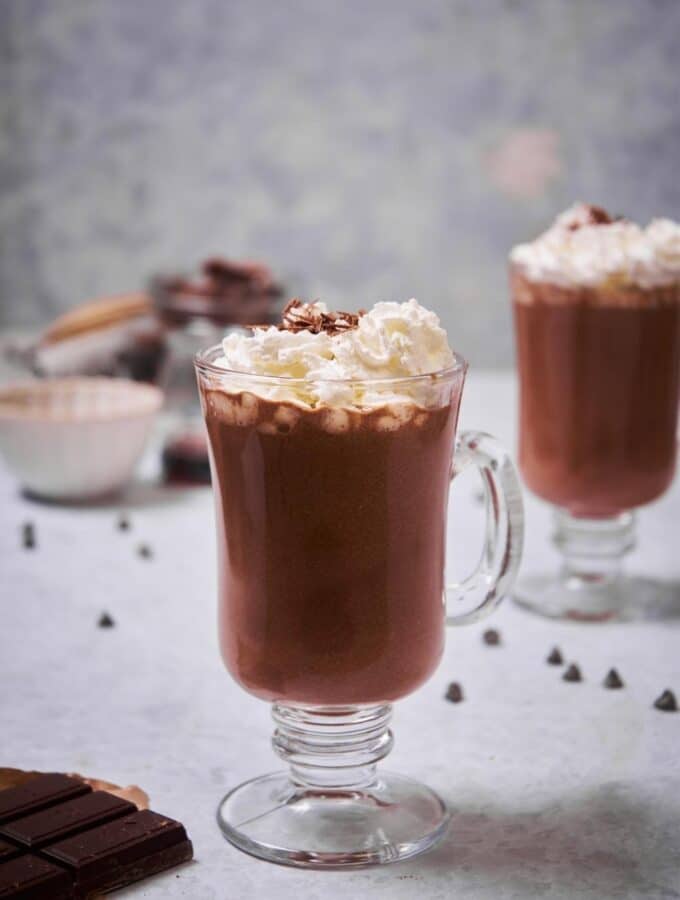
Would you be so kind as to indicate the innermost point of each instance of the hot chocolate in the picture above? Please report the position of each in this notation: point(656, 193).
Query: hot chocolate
point(597, 318)
point(331, 439)
point(331, 499)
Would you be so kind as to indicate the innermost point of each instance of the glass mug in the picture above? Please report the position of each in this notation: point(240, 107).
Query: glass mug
point(599, 387)
point(331, 528)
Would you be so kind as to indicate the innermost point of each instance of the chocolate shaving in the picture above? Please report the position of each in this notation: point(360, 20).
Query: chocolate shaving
point(299, 316)
point(593, 215)
point(599, 216)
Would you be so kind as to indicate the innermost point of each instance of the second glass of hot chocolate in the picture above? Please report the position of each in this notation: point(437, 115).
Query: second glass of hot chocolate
point(597, 320)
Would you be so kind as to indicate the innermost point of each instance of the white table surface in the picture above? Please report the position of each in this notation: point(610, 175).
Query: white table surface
point(558, 790)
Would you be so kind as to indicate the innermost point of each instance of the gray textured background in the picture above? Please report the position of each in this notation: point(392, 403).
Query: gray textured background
point(368, 149)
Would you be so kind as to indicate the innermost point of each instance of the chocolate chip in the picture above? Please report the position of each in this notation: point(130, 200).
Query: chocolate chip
point(573, 673)
point(454, 692)
point(666, 702)
point(144, 551)
point(123, 523)
point(555, 657)
point(28, 535)
point(105, 621)
point(491, 637)
point(613, 680)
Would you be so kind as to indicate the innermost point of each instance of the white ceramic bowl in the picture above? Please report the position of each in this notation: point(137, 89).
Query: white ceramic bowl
point(75, 438)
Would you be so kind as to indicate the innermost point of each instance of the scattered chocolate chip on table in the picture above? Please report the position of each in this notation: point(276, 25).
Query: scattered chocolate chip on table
point(454, 692)
point(666, 702)
point(573, 673)
point(613, 680)
point(555, 657)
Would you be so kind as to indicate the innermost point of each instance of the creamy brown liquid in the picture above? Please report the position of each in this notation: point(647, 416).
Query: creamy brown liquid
point(331, 548)
point(599, 391)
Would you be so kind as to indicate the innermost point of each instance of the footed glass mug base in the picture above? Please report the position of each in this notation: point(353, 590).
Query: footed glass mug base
point(332, 809)
point(624, 598)
point(591, 585)
point(272, 818)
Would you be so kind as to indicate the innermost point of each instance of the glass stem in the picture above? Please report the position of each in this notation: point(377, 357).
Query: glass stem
point(332, 748)
point(593, 549)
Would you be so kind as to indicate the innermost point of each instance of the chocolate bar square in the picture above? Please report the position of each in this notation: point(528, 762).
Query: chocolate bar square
point(39, 793)
point(123, 851)
point(58, 822)
point(31, 878)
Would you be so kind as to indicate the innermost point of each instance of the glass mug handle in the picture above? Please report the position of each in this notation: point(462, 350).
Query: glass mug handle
point(504, 534)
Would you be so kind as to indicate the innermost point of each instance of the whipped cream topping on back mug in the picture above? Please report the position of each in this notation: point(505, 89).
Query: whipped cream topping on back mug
point(332, 352)
point(586, 247)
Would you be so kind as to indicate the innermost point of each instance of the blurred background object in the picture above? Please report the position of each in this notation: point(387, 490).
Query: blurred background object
point(364, 150)
point(195, 312)
point(76, 439)
point(153, 337)
point(116, 336)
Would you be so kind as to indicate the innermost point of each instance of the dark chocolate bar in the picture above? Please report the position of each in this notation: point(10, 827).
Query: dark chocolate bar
point(60, 841)
point(39, 793)
point(31, 878)
point(58, 822)
point(123, 851)
point(8, 851)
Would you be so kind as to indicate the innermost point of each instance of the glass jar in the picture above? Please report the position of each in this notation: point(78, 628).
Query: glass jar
point(197, 313)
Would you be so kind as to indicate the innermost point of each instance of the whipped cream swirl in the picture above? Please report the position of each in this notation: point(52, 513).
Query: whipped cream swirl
point(585, 248)
point(390, 341)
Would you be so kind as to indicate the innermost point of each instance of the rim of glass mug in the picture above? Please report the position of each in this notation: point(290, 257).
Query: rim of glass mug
point(204, 362)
